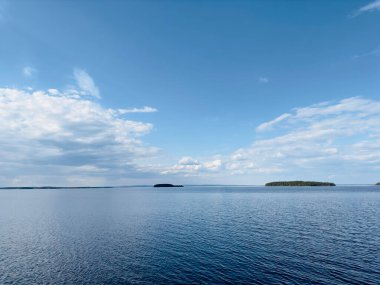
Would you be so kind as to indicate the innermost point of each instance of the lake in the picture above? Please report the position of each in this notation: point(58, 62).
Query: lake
point(202, 235)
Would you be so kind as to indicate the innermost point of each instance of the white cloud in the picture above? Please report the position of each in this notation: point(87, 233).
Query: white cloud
point(373, 6)
point(145, 109)
point(187, 160)
point(64, 138)
point(213, 165)
point(370, 7)
point(186, 166)
point(263, 80)
point(319, 137)
point(54, 138)
point(189, 166)
point(53, 91)
point(86, 83)
point(315, 142)
point(268, 125)
point(28, 71)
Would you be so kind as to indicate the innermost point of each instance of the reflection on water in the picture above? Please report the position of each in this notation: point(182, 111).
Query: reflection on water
point(191, 235)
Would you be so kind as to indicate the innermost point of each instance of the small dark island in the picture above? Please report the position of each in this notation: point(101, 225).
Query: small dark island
point(377, 184)
point(299, 183)
point(167, 185)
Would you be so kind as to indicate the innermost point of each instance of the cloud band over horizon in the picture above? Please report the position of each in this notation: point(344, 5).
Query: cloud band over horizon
point(57, 137)
point(331, 140)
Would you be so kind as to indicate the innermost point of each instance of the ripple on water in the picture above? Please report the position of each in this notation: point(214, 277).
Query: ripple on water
point(202, 235)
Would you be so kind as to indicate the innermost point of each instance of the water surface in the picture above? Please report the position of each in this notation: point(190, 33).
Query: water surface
point(209, 235)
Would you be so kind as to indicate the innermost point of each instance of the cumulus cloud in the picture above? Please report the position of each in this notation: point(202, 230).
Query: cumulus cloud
point(86, 83)
point(213, 165)
point(187, 160)
point(319, 136)
point(28, 71)
point(65, 138)
point(53, 137)
point(189, 166)
point(330, 139)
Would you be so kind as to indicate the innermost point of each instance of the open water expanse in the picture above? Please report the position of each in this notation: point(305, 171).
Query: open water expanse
point(210, 235)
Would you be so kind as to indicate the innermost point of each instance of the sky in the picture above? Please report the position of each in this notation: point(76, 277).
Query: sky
point(99, 93)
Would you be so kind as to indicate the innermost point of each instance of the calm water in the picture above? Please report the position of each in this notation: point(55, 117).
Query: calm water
point(190, 235)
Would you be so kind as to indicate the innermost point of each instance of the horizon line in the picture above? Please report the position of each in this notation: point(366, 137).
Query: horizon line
point(146, 185)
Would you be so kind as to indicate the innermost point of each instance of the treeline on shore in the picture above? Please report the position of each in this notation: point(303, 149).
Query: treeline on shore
point(299, 183)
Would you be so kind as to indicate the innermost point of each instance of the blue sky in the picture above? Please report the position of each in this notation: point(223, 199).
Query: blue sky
point(236, 92)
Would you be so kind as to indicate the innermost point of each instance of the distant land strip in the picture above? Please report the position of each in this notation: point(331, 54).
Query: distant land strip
point(299, 183)
point(275, 183)
point(57, 187)
point(166, 185)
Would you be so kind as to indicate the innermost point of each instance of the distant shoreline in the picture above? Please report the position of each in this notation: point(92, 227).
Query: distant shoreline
point(150, 186)
point(299, 183)
point(58, 187)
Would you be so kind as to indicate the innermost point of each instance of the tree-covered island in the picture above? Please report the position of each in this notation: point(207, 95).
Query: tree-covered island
point(299, 183)
point(378, 184)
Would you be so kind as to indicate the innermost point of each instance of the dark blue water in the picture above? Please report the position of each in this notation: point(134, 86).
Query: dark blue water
point(190, 235)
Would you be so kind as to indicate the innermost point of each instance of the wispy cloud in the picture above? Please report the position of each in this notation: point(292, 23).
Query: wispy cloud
point(320, 136)
point(263, 80)
point(331, 139)
point(373, 6)
point(145, 109)
point(374, 52)
point(86, 83)
point(64, 138)
point(268, 125)
point(28, 71)
point(370, 7)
